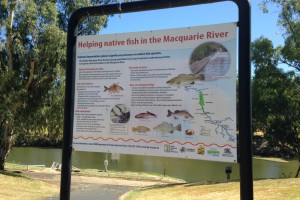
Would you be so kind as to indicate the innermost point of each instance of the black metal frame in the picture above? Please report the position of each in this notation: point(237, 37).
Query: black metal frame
point(244, 68)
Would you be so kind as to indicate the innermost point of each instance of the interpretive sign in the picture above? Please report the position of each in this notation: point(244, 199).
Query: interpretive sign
point(168, 93)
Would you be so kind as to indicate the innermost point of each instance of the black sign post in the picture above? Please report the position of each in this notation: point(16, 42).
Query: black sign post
point(245, 139)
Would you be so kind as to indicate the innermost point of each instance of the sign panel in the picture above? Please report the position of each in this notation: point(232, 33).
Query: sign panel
point(169, 93)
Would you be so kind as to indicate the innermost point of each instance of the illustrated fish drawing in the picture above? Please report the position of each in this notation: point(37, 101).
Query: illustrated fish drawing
point(189, 132)
point(113, 89)
point(140, 129)
point(185, 79)
point(180, 114)
point(166, 127)
point(145, 115)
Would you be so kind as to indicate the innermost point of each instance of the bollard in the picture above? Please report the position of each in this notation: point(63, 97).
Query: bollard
point(228, 171)
point(105, 165)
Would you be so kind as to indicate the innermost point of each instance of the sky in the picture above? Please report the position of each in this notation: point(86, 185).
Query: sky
point(216, 13)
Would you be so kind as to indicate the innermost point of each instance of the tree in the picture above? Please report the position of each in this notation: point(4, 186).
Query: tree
point(32, 60)
point(31, 68)
point(289, 20)
point(276, 100)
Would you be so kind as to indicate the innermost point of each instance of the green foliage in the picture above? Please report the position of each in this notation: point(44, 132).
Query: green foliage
point(90, 25)
point(276, 100)
point(289, 20)
point(263, 53)
point(11, 95)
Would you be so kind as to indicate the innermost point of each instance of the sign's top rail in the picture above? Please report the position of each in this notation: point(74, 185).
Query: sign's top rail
point(135, 6)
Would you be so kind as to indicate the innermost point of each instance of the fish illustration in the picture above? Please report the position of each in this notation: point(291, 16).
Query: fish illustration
point(145, 115)
point(180, 114)
point(113, 89)
point(185, 79)
point(140, 129)
point(189, 132)
point(166, 127)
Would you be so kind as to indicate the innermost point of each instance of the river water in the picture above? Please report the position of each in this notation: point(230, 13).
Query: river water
point(189, 170)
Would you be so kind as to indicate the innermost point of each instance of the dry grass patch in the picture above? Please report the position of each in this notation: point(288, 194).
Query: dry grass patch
point(22, 188)
point(274, 189)
point(287, 189)
point(128, 175)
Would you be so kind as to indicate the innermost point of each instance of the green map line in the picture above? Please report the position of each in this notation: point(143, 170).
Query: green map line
point(201, 100)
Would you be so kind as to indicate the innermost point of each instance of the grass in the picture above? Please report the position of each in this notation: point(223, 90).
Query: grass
point(272, 159)
point(16, 187)
point(271, 189)
point(17, 166)
point(128, 175)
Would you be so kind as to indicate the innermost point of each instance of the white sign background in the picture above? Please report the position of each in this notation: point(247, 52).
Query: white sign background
point(169, 93)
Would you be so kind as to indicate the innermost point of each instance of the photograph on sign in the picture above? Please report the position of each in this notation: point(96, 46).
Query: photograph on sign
point(169, 93)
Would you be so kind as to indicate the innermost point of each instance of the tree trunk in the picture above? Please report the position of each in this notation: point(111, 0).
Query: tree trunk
point(9, 36)
point(297, 174)
point(6, 139)
point(6, 131)
point(30, 77)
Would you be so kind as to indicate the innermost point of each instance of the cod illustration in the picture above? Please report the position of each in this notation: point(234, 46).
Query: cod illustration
point(185, 79)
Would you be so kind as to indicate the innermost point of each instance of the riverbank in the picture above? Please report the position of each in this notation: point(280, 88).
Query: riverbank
point(45, 184)
point(17, 183)
point(186, 169)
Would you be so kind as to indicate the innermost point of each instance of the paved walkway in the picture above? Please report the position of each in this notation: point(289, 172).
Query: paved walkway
point(97, 192)
point(90, 188)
